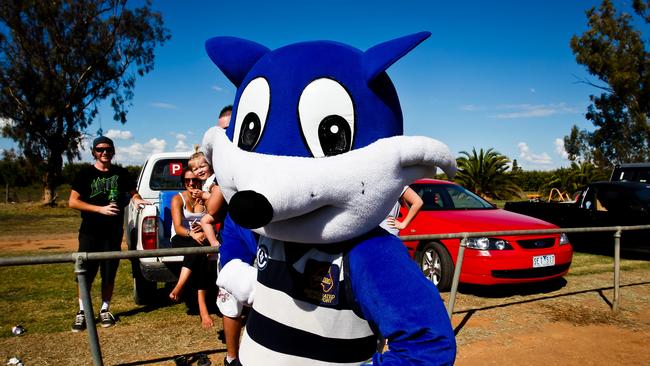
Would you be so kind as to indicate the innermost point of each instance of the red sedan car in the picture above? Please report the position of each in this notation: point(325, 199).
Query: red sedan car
point(450, 208)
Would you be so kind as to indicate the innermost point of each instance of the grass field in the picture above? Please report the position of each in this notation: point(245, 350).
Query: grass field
point(23, 219)
point(43, 299)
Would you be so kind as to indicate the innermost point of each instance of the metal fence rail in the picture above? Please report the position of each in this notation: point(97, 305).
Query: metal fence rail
point(80, 258)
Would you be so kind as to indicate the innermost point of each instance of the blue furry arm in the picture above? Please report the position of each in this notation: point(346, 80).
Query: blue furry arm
point(237, 243)
point(401, 304)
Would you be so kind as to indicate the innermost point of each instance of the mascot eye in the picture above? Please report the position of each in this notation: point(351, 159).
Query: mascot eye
point(326, 118)
point(252, 110)
point(250, 132)
point(334, 135)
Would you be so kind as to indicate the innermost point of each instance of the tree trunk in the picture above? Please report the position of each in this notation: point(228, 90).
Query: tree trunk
point(51, 178)
point(49, 196)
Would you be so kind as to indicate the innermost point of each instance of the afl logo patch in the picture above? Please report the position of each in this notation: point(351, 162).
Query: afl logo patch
point(262, 257)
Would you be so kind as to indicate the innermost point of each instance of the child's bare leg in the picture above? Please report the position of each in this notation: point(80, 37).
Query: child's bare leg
point(207, 224)
point(175, 295)
point(232, 328)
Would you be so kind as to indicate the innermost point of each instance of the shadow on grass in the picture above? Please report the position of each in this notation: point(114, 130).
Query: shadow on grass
point(633, 251)
point(500, 291)
point(470, 312)
point(184, 359)
point(161, 300)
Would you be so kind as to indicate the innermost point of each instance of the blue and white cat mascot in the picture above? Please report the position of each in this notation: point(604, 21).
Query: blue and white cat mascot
point(313, 163)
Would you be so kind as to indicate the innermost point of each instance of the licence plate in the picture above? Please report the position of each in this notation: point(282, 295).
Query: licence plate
point(543, 260)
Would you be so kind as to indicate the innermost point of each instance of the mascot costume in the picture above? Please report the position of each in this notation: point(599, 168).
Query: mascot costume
point(313, 163)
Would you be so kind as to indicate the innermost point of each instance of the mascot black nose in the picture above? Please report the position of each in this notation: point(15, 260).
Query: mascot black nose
point(250, 209)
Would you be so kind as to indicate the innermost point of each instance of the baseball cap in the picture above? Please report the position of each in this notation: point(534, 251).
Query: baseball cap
point(102, 140)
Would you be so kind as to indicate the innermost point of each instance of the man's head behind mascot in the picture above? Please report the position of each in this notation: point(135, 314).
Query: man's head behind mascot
point(317, 154)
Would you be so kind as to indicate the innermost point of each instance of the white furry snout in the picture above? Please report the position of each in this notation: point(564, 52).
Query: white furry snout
point(331, 199)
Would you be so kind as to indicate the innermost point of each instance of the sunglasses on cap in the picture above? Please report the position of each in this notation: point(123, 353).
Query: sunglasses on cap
point(105, 149)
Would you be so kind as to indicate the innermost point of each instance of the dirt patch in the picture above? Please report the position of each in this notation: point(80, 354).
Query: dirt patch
point(567, 322)
point(30, 242)
point(571, 325)
point(561, 344)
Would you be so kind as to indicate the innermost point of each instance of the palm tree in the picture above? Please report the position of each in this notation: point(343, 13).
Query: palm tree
point(564, 180)
point(586, 173)
point(574, 179)
point(485, 173)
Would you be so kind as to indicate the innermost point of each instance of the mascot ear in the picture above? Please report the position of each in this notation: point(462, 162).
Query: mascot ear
point(378, 58)
point(234, 56)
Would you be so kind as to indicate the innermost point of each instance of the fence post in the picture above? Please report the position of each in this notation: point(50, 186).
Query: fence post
point(456, 279)
point(84, 291)
point(617, 268)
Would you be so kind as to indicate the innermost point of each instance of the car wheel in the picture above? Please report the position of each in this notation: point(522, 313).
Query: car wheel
point(144, 291)
point(436, 264)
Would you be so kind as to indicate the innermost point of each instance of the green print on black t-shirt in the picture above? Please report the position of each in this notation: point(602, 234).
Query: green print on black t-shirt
point(103, 185)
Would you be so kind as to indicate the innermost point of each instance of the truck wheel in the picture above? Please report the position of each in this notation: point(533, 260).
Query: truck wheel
point(144, 291)
point(436, 264)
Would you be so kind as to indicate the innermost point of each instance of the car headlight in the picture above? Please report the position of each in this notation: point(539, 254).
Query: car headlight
point(564, 239)
point(488, 244)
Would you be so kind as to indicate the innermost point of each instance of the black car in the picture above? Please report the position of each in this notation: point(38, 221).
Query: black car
point(600, 204)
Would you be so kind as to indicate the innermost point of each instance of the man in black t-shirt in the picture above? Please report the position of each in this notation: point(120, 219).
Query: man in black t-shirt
point(101, 192)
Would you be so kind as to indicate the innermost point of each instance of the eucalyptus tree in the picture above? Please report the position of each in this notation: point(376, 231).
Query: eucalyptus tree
point(615, 52)
point(58, 60)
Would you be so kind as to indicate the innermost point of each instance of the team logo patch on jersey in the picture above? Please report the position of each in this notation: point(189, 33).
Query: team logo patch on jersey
point(322, 282)
point(262, 257)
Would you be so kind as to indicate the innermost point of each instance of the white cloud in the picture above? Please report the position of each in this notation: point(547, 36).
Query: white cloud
point(533, 113)
point(533, 110)
point(181, 146)
point(181, 142)
point(526, 155)
point(163, 105)
point(119, 135)
point(137, 153)
point(217, 88)
point(559, 148)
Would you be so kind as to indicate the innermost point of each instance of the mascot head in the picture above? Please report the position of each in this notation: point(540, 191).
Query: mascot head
point(315, 153)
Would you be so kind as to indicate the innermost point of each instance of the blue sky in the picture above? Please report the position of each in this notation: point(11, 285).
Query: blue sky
point(494, 74)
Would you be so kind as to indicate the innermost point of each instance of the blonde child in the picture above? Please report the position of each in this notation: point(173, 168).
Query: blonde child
point(211, 194)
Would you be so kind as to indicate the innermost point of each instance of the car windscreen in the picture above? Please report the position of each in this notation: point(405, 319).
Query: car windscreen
point(166, 175)
point(631, 174)
point(449, 197)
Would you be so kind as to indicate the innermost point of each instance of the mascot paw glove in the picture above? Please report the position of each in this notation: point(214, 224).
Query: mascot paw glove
point(239, 279)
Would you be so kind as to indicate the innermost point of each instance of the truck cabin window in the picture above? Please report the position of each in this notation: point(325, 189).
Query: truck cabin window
point(166, 175)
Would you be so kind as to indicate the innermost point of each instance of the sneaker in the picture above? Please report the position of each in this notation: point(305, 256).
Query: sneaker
point(234, 362)
point(106, 319)
point(203, 360)
point(79, 324)
point(181, 361)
